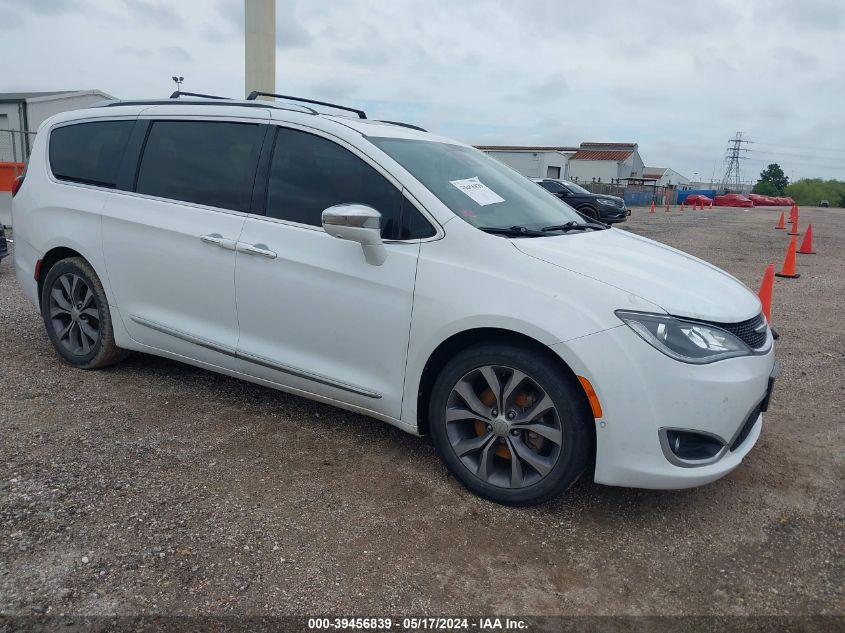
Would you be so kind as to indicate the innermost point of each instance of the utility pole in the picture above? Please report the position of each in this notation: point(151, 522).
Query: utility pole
point(260, 46)
point(733, 156)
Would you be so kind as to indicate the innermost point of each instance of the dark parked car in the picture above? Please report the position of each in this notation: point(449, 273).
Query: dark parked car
point(4, 250)
point(596, 206)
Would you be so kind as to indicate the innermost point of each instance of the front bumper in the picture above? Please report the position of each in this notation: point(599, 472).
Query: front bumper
point(643, 391)
point(612, 215)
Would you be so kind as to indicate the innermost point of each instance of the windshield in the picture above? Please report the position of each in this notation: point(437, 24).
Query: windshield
point(477, 188)
point(577, 188)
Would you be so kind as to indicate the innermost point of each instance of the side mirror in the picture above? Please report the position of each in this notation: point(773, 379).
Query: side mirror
point(357, 223)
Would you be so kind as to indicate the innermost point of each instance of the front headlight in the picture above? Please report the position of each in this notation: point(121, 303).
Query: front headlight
point(686, 341)
point(607, 201)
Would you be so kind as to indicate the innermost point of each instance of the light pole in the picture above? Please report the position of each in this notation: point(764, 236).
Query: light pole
point(178, 81)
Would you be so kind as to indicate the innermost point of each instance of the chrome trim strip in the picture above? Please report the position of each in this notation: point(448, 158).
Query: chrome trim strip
point(258, 360)
point(300, 373)
point(185, 336)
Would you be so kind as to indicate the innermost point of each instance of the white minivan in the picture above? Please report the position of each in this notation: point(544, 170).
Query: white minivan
point(408, 277)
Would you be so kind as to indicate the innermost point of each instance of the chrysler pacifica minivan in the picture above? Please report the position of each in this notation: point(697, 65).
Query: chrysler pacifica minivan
point(395, 273)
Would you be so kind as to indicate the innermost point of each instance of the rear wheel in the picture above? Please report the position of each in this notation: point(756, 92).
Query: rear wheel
point(76, 315)
point(509, 425)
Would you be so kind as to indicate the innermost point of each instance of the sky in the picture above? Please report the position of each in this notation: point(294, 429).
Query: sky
point(679, 78)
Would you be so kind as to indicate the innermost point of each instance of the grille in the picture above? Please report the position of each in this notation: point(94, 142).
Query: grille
point(745, 331)
point(746, 428)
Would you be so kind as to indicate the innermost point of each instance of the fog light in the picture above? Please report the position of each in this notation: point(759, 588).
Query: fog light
point(692, 446)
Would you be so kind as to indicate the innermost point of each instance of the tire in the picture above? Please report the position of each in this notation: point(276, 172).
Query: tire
point(590, 212)
point(487, 467)
point(71, 328)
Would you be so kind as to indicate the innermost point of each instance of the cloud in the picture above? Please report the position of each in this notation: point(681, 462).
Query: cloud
point(176, 53)
point(678, 78)
point(155, 12)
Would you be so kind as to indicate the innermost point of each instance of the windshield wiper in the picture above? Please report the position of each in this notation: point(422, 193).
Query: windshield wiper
point(575, 226)
point(511, 231)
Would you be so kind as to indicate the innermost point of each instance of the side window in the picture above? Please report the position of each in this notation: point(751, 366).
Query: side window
point(550, 185)
point(414, 226)
point(309, 174)
point(211, 163)
point(89, 153)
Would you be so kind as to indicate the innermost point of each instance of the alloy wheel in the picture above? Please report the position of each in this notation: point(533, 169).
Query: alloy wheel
point(74, 314)
point(503, 426)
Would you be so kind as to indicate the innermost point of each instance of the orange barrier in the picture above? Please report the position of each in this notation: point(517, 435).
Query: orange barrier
point(8, 173)
point(807, 243)
point(788, 269)
point(765, 292)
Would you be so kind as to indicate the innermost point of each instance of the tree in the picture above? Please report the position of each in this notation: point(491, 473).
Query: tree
point(810, 191)
point(766, 188)
point(772, 181)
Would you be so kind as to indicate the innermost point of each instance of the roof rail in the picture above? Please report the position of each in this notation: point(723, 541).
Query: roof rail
point(255, 93)
point(179, 93)
point(408, 125)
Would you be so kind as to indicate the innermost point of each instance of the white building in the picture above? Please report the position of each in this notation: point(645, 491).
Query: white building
point(606, 162)
point(25, 111)
point(666, 177)
point(534, 162)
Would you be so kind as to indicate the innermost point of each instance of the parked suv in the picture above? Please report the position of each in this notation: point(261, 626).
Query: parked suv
point(596, 206)
point(394, 273)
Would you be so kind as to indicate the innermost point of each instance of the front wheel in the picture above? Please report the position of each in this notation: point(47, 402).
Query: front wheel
point(590, 212)
point(509, 425)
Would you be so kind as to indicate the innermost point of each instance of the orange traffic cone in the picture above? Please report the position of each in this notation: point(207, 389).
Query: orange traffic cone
point(788, 269)
point(765, 292)
point(652, 206)
point(667, 207)
point(711, 204)
point(682, 206)
point(794, 230)
point(781, 223)
point(793, 214)
point(807, 242)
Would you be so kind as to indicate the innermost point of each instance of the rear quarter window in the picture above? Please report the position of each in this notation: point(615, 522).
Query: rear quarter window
point(89, 153)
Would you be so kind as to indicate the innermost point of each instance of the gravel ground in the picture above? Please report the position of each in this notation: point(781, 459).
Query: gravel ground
point(158, 488)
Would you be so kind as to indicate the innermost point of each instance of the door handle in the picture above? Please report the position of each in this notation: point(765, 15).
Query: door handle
point(255, 249)
point(218, 240)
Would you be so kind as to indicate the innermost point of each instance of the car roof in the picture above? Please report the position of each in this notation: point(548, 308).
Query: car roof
point(248, 108)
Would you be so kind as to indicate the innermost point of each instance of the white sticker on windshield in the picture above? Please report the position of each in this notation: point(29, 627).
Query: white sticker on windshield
point(478, 191)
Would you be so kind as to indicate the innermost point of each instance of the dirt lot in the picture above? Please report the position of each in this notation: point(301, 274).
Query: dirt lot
point(154, 487)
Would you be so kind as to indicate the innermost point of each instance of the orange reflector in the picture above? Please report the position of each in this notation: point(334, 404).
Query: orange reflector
point(595, 405)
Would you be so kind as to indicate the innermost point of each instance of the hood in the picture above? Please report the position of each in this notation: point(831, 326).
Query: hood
point(607, 197)
point(679, 283)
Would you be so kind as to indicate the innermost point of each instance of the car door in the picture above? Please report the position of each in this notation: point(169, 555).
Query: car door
point(314, 315)
point(169, 237)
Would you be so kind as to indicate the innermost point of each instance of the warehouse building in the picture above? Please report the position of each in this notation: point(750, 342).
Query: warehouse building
point(534, 162)
point(611, 163)
point(606, 162)
point(21, 113)
point(665, 177)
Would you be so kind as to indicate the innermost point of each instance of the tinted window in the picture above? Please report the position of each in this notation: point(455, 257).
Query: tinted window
point(211, 163)
point(551, 185)
point(414, 225)
point(89, 152)
point(309, 174)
